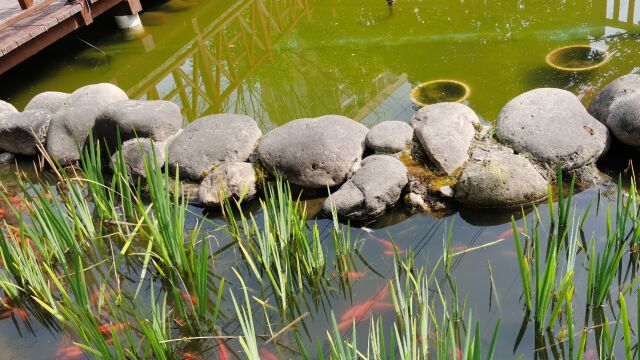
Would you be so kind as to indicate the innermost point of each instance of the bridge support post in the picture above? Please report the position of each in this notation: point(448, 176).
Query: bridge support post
point(126, 15)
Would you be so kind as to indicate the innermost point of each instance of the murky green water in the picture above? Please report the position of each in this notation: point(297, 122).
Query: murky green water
point(279, 60)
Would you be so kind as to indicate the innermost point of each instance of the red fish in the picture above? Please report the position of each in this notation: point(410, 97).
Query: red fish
point(9, 311)
point(3, 213)
point(508, 233)
point(361, 312)
point(191, 356)
point(223, 353)
point(16, 235)
point(188, 297)
point(94, 298)
point(389, 247)
point(69, 352)
point(353, 275)
point(22, 314)
point(109, 328)
point(265, 354)
point(14, 200)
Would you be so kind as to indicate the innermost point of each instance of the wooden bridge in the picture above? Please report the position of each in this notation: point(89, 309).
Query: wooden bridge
point(27, 27)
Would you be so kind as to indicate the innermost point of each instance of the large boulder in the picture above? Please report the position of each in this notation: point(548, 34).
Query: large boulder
point(49, 100)
point(314, 153)
point(154, 119)
point(210, 141)
point(73, 122)
point(20, 133)
point(375, 187)
point(624, 120)
point(235, 179)
point(553, 127)
point(134, 151)
point(616, 90)
point(6, 107)
point(495, 177)
point(445, 131)
point(389, 137)
point(97, 95)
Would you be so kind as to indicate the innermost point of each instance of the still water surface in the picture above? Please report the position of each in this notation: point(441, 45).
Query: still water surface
point(278, 60)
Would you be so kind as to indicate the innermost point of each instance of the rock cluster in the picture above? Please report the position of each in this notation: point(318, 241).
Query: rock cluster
point(442, 156)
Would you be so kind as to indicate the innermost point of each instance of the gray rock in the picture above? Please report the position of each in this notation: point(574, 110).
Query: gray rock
point(375, 187)
point(68, 132)
point(135, 150)
point(616, 90)
point(624, 120)
point(553, 127)
point(314, 153)
point(389, 137)
point(500, 180)
point(20, 133)
point(7, 158)
point(49, 100)
point(73, 122)
point(155, 119)
point(587, 176)
point(212, 140)
point(96, 95)
point(6, 107)
point(445, 131)
point(236, 179)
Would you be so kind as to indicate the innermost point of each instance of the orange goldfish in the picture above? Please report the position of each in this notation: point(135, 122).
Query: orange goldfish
point(109, 328)
point(265, 354)
point(353, 275)
point(69, 352)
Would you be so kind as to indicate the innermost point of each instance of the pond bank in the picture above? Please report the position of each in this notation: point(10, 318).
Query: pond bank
point(445, 156)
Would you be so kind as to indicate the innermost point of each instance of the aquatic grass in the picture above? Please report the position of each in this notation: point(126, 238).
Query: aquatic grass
point(248, 341)
point(548, 283)
point(283, 247)
point(603, 267)
point(624, 318)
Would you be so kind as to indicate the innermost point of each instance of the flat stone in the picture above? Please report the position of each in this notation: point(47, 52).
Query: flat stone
point(624, 120)
point(375, 187)
point(553, 127)
point(210, 141)
point(6, 107)
point(49, 100)
point(135, 150)
point(235, 179)
point(445, 131)
point(20, 133)
point(500, 180)
point(314, 153)
point(389, 137)
point(153, 119)
point(616, 90)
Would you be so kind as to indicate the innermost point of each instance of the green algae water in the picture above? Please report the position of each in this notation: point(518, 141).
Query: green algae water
point(279, 60)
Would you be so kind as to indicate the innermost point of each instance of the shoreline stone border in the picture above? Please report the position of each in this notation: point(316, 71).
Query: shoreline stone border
point(443, 157)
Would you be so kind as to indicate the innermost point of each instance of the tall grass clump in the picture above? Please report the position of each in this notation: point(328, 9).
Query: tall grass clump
point(281, 245)
point(547, 281)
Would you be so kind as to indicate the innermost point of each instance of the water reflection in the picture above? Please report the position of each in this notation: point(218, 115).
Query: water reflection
point(257, 58)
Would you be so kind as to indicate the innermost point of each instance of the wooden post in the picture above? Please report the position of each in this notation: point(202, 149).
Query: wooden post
point(25, 4)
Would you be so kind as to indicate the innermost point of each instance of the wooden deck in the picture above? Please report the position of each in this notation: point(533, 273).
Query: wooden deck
point(25, 32)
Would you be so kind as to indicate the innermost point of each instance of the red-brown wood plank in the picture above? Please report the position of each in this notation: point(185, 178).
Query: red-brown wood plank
point(33, 33)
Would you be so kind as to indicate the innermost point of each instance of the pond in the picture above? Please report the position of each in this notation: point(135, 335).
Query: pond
point(280, 60)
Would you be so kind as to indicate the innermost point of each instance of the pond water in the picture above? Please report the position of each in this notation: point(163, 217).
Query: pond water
point(279, 60)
